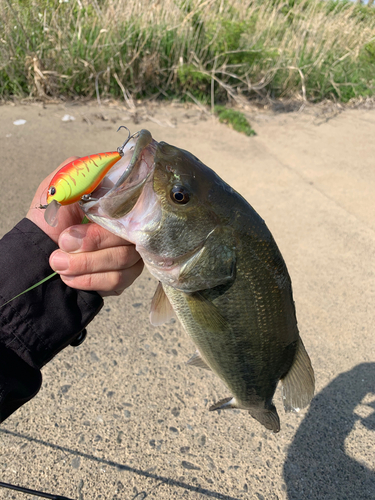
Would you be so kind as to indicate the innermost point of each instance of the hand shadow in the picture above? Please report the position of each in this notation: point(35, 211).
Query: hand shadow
point(317, 466)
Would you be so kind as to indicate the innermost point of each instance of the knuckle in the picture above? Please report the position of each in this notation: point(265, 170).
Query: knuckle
point(94, 237)
point(109, 282)
point(87, 282)
point(90, 282)
point(81, 264)
point(126, 256)
point(115, 280)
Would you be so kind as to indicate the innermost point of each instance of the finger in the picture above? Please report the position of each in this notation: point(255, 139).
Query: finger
point(110, 259)
point(106, 284)
point(88, 238)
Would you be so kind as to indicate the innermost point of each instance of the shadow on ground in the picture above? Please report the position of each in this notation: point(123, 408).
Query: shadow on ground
point(121, 467)
point(317, 464)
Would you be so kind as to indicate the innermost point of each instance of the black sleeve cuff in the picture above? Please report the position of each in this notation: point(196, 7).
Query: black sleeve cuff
point(40, 323)
point(18, 382)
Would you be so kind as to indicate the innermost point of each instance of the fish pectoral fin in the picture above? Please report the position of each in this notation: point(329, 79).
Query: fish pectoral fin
point(197, 360)
point(299, 382)
point(267, 417)
point(161, 310)
point(224, 404)
point(206, 314)
point(212, 265)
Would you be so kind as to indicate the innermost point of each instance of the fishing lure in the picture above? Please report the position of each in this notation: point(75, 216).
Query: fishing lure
point(75, 181)
point(78, 179)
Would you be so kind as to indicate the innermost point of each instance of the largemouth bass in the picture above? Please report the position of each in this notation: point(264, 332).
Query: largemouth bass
point(219, 270)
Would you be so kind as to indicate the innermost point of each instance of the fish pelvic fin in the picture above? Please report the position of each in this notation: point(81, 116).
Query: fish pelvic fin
point(224, 404)
point(267, 417)
point(161, 310)
point(197, 360)
point(299, 383)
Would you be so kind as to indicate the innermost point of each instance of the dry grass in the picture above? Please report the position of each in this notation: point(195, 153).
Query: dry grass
point(214, 50)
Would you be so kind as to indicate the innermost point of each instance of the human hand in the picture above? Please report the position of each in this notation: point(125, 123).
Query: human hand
point(90, 257)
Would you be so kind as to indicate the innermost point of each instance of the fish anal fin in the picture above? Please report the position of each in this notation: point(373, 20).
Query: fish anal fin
point(224, 404)
point(197, 360)
point(161, 310)
point(299, 382)
point(267, 417)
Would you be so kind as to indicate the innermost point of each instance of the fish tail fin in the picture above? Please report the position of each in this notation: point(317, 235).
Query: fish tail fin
point(299, 382)
point(267, 417)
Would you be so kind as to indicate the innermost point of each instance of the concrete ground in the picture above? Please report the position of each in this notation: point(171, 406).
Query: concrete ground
point(123, 416)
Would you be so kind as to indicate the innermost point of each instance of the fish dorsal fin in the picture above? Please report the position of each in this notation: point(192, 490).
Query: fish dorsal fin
point(161, 309)
point(197, 360)
point(299, 382)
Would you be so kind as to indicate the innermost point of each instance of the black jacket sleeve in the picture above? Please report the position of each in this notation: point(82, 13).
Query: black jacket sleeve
point(38, 324)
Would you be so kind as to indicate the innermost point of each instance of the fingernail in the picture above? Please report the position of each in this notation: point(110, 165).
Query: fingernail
point(60, 261)
point(70, 241)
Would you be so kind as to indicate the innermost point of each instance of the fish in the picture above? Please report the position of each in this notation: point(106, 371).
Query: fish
point(220, 273)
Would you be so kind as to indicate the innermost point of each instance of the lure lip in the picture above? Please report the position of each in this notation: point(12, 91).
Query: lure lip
point(50, 215)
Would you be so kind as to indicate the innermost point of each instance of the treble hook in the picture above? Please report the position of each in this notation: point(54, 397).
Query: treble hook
point(120, 150)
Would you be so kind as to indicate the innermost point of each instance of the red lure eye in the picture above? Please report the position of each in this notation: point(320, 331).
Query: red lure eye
point(52, 190)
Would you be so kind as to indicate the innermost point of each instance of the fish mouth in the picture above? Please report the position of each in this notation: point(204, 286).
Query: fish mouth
point(121, 188)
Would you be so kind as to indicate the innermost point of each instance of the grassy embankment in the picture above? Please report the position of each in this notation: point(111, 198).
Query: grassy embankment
point(210, 50)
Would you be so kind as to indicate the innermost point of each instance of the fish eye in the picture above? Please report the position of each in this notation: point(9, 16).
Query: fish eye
point(180, 195)
point(52, 190)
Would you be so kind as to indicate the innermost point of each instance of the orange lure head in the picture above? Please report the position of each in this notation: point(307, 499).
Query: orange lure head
point(78, 178)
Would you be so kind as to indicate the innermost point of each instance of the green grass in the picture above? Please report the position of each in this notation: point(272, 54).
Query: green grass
point(234, 119)
point(216, 51)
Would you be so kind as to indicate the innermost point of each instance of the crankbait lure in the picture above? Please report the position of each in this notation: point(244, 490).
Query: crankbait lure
point(78, 179)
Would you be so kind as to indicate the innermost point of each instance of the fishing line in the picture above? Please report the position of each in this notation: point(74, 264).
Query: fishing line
point(31, 288)
point(85, 220)
point(33, 492)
